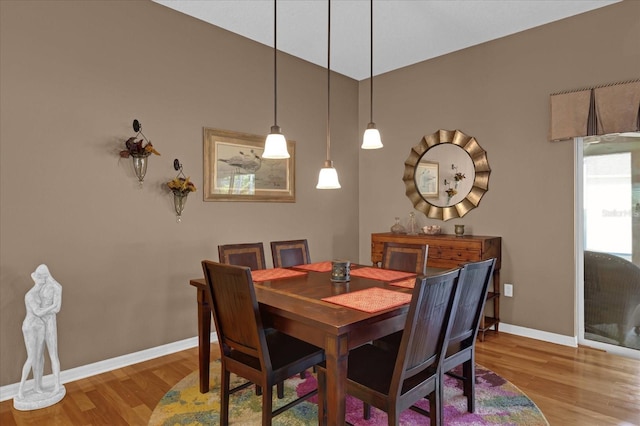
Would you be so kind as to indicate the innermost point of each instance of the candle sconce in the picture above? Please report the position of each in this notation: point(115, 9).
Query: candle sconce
point(139, 151)
point(180, 186)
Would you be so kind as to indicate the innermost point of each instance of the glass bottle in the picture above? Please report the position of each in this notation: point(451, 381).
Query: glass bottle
point(412, 226)
point(397, 228)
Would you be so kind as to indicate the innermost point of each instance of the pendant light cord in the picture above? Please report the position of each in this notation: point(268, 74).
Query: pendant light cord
point(329, 83)
point(275, 63)
point(371, 57)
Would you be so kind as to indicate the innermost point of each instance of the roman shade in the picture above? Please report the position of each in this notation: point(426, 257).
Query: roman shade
point(611, 108)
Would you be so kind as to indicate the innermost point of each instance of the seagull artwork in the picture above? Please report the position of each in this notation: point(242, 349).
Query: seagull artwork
point(250, 163)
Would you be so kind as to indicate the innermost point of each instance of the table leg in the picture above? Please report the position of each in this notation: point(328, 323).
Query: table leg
point(337, 355)
point(204, 340)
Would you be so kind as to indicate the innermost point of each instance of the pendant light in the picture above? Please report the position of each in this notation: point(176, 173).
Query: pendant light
point(371, 138)
point(275, 146)
point(328, 177)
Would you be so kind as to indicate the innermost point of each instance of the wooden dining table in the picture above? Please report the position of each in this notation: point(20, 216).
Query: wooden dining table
point(294, 306)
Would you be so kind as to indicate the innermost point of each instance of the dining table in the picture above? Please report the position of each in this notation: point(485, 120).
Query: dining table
point(304, 302)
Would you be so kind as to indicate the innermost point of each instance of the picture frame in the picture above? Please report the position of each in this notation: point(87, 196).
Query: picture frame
point(234, 169)
point(427, 178)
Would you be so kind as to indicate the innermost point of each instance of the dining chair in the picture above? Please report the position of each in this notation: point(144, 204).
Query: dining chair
point(474, 283)
point(249, 254)
point(290, 253)
point(246, 349)
point(395, 380)
point(405, 257)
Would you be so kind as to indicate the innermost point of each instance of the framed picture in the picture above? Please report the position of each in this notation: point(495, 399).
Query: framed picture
point(427, 177)
point(234, 169)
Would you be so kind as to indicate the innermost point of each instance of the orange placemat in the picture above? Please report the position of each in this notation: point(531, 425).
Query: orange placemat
point(408, 283)
point(315, 267)
point(381, 274)
point(274, 274)
point(371, 300)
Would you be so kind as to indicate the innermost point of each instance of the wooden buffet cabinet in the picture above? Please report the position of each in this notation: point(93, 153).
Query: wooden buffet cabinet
point(450, 251)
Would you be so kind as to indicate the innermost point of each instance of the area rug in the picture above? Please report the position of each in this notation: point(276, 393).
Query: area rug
point(498, 402)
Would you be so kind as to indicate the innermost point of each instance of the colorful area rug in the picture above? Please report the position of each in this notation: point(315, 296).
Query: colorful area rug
point(498, 402)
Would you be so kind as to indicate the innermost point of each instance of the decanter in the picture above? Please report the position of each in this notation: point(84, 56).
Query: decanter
point(412, 226)
point(397, 228)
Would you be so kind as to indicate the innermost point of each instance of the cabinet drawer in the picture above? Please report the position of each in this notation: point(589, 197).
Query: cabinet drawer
point(459, 254)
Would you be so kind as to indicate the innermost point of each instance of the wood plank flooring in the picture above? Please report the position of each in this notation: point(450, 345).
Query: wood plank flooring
point(571, 386)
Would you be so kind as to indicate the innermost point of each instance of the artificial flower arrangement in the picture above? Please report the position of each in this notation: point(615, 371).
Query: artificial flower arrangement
point(181, 186)
point(137, 148)
point(457, 177)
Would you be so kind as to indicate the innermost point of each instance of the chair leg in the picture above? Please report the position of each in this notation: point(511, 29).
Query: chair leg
point(224, 398)
point(280, 390)
point(366, 411)
point(469, 384)
point(436, 400)
point(393, 417)
point(267, 409)
point(435, 405)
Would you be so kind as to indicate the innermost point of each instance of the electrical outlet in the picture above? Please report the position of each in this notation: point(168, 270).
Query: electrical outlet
point(508, 290)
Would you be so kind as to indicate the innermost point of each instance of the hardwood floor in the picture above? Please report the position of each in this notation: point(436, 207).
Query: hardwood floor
point(571, 386)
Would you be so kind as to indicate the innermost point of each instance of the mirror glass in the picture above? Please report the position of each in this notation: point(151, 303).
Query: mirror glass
point(446, 175)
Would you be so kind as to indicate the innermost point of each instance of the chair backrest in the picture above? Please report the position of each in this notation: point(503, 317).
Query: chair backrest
point(235, 311)
point(405, 257)
point(427, 329)
point(249, 254)
point(474, 283)
point(290, 253)
point(611, 292)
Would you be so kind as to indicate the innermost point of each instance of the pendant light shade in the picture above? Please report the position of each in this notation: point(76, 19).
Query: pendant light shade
point(371, 138)
point(328, 176)
point(275, 146)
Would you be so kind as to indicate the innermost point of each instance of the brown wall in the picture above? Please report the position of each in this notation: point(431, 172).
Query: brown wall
point(73, 77)
point(499, 93)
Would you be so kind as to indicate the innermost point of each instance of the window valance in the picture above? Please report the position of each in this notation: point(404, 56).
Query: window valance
point(611, 108)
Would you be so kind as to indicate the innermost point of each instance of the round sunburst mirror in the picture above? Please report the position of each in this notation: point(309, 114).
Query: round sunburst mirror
point(446, 174)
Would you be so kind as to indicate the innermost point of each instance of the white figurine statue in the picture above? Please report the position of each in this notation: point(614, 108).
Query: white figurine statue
point(39, 328)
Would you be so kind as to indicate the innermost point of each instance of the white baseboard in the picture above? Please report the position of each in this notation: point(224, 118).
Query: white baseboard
point(540, 335)
point(10, 391)
point(71, 375)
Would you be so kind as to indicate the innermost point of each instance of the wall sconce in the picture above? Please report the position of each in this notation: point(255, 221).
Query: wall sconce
point(452, 185)
point(139, 151)
point(180, 186)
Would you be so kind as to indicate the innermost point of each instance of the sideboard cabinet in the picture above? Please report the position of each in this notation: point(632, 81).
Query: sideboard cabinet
point(450, 251)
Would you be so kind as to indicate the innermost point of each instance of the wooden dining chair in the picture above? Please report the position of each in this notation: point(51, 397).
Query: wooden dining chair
point(395, 380)
point(249, 254)
point(405, 257)
point(263, 358)
point(290, 253)
point(474, 284)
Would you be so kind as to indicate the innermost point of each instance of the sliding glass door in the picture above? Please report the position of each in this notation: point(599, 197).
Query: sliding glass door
point(608, 249)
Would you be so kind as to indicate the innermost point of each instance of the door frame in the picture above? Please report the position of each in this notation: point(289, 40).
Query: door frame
point(579, 260)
